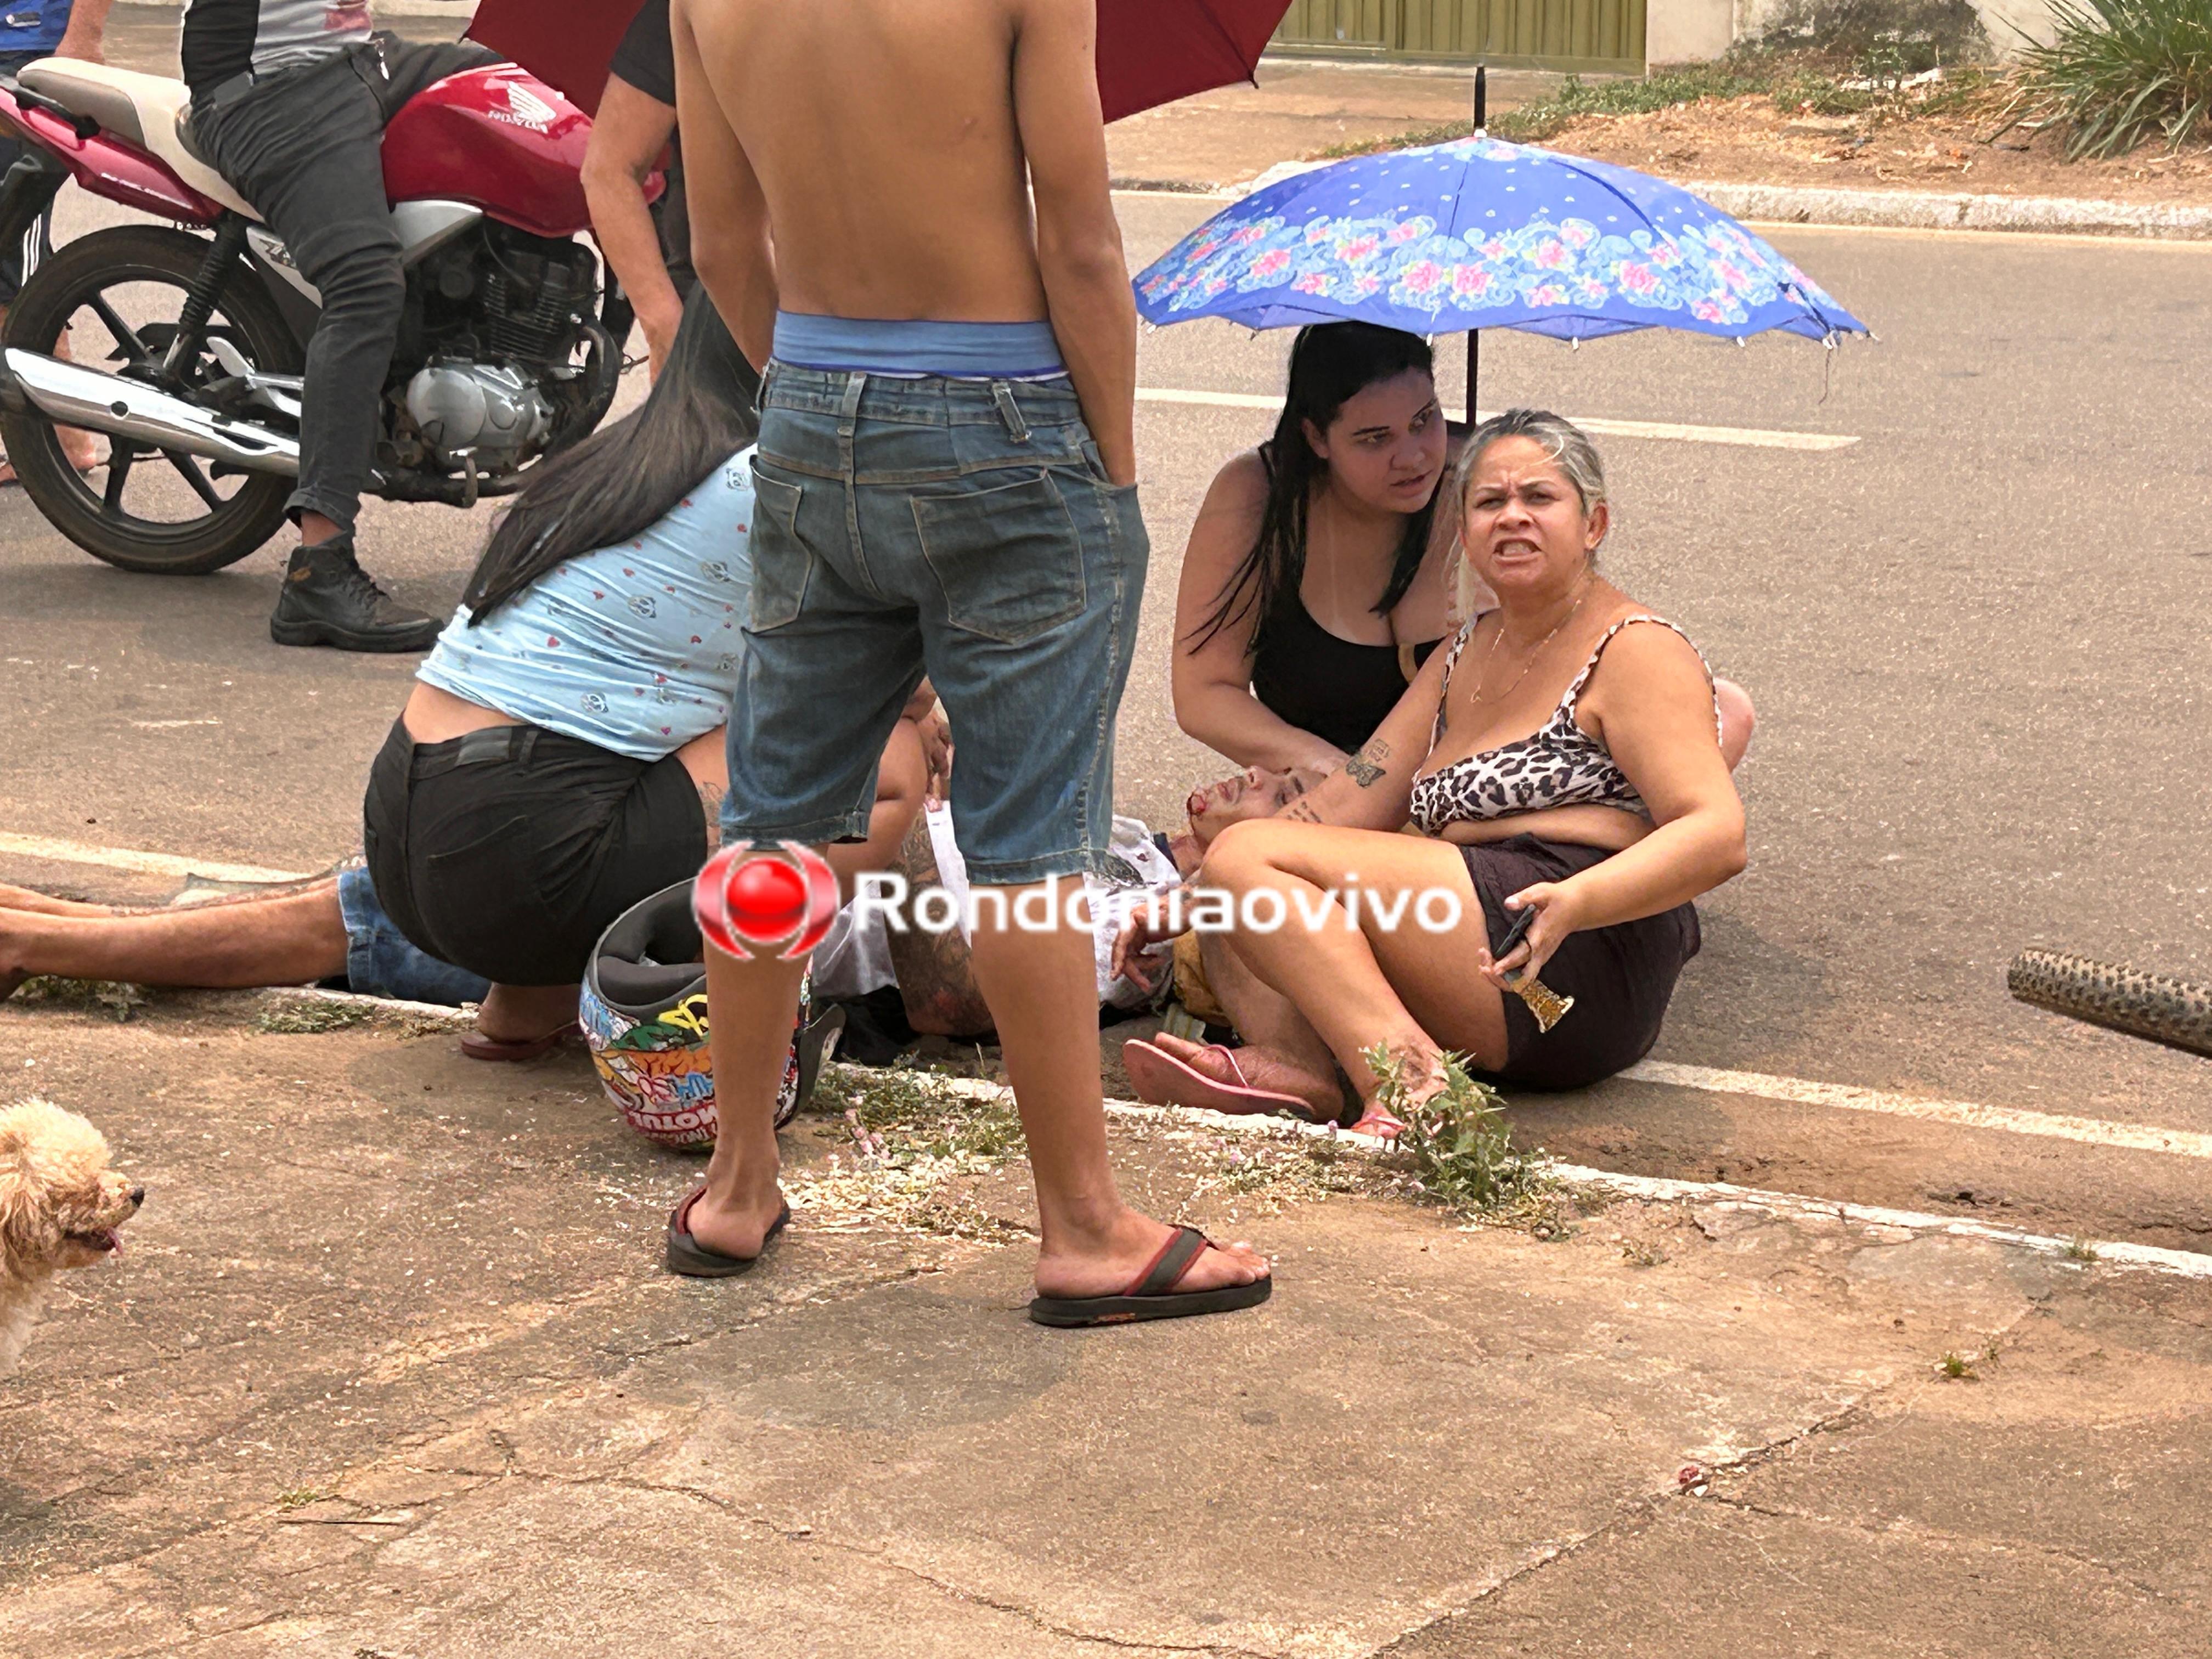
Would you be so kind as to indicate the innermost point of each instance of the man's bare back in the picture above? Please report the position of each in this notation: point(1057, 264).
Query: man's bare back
point(910, 150)
point(895, 148)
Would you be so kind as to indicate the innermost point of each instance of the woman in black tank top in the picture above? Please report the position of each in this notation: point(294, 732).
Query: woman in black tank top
point(1312, 587)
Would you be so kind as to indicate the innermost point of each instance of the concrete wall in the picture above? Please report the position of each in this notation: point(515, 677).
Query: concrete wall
point(1687, 31)
point(1690, 31)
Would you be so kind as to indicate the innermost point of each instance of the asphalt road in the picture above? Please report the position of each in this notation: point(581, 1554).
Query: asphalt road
point(1975, 637)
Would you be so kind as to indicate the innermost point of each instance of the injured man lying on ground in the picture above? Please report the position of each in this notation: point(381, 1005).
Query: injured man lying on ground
point(330, 931)
point(924, 962)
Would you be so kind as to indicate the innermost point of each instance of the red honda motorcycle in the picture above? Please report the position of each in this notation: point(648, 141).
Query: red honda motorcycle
point(184, 345)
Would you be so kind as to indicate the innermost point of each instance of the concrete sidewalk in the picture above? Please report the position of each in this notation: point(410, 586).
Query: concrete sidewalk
point(391, 1370)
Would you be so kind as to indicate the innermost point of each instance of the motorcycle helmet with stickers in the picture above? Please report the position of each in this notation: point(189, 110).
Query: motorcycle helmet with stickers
point(644, 1014)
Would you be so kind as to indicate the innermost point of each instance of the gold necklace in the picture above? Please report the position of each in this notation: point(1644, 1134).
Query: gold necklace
point(1476, 698)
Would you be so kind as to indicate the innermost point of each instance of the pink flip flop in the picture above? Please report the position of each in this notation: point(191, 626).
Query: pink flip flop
point(1379, 1124)
point(1161, 1079)
point(478, 1047)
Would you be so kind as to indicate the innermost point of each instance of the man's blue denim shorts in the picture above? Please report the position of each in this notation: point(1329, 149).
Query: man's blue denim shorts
point(381, 961)
point(964, 528)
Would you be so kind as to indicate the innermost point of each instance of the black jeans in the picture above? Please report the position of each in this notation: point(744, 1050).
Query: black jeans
point(305, 148)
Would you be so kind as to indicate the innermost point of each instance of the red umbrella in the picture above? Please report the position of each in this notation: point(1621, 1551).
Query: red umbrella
point(567, 43)
point(1150, 51)
point(1153, 51)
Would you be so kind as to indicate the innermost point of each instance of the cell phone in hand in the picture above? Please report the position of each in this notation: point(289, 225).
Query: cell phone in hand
point(1515, 933)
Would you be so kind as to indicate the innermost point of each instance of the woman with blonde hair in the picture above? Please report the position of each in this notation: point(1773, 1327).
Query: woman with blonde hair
point(1562, 691)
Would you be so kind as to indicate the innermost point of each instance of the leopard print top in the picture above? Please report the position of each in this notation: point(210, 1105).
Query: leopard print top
point(1561, 765)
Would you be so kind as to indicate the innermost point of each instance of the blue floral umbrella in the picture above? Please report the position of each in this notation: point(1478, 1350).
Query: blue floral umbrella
point(1479, 234)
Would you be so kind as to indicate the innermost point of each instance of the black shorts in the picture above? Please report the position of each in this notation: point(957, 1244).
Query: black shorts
point(508, 852)
point(1620, 977)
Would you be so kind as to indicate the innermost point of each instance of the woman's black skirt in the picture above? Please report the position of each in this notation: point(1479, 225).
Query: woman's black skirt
point(1620, 977)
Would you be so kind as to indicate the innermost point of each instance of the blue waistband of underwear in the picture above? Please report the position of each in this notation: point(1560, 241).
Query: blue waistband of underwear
point(957, 351)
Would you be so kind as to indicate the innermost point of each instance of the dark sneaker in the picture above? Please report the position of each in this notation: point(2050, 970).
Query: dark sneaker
point(329, 599)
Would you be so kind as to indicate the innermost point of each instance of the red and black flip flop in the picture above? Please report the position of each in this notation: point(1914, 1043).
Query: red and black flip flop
point(1152, 1293)
point(478, 1047)
point(688, 1256)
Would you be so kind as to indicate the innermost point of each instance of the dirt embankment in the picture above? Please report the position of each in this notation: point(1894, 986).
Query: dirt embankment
point(1755, 140)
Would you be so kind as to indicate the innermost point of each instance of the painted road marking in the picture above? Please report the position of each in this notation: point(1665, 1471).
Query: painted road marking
point(143, 864)
point(1749, 437)
point(1962, 1114)
point(2089, 1131)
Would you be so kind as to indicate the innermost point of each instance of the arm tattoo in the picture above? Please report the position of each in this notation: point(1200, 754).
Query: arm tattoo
point(1300, 811)
point(710, 803)
point(1364, 767)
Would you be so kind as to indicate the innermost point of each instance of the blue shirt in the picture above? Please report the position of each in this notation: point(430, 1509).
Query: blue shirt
point(33, 25)
point(636, 647)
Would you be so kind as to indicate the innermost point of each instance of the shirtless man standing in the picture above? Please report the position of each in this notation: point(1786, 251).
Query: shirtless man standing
point(947, 480)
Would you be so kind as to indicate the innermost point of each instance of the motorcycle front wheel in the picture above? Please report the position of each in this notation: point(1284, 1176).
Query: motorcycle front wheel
point(115, 297)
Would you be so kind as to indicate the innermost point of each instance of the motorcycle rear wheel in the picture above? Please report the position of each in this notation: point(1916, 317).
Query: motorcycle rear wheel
point(72, 287)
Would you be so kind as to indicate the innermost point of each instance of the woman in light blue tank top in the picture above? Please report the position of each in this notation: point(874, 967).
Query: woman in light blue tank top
point(562, 755)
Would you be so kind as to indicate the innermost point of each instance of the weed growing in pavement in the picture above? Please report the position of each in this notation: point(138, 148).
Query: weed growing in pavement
point(1303, 1170)
point(310, 1019)
point(1958, 1367)
point(902, 1103)
point(904, 1141)
point(1462, 1150)
point(2079, 1249)
point(112, 996)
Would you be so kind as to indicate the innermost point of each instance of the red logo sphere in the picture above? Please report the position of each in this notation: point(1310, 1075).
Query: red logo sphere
point(767, 899)
point(743, 897)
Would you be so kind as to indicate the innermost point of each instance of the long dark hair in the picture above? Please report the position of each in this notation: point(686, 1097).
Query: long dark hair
point(1331, 364)
point(625, 477)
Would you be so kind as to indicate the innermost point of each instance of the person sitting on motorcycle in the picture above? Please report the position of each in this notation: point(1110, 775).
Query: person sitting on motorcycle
point(562, 756)
point(649, 247)
point(290, 99)
point(56, 28)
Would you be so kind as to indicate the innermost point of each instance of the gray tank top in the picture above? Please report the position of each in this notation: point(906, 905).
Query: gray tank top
point(225, 38)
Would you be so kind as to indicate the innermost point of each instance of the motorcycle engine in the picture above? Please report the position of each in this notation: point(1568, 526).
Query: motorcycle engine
point(498, 415)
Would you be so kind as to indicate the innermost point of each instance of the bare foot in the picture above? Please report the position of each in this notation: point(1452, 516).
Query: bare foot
point(1108, 1265)
point(737, 1228)
point(83, 455)
point(524, 1013)
point(1420, 1079)
point(1260, 1068)
point(1376, 1121)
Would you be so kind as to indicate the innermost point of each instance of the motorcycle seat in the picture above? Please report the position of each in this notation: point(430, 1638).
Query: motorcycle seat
point(145, 110)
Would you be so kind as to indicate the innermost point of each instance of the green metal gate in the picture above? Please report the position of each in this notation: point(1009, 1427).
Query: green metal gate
point(1585, 36)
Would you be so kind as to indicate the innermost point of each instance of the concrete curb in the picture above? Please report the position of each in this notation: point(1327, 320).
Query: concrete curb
point(1927, 210)
point(2183, 1264)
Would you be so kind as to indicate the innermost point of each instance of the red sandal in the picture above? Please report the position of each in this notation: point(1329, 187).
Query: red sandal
point(1152, 1294)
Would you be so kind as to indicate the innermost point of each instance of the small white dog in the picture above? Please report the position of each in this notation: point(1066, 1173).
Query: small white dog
point(59, 1207)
